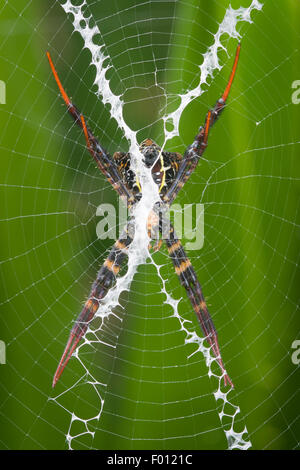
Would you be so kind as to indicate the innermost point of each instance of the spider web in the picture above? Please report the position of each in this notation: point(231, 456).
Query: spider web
point(144, 377)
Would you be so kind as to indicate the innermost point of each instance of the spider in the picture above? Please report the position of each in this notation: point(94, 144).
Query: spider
point(170, 171)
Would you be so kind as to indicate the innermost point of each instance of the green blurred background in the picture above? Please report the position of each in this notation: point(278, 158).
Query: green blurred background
point(156, 397)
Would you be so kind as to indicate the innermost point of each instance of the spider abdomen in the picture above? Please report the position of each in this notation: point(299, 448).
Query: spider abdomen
point(164, 168)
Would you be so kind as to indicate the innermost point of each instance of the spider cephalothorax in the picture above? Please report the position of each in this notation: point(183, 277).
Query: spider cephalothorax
point(170, 171)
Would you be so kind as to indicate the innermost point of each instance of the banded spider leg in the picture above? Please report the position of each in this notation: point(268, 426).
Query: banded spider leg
point(105, 279)
point(188, 279)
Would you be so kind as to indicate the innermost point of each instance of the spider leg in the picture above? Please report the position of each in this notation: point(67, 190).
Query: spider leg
point(103, 160)
point(188, 279)
point(194, 152)
point(105, 279)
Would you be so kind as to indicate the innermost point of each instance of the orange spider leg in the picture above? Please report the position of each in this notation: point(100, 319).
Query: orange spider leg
point(194, 152)
point(227, 89)
point(61, 88)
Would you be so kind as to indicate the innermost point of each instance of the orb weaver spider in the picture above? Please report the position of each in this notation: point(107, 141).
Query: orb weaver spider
point(170, 171)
